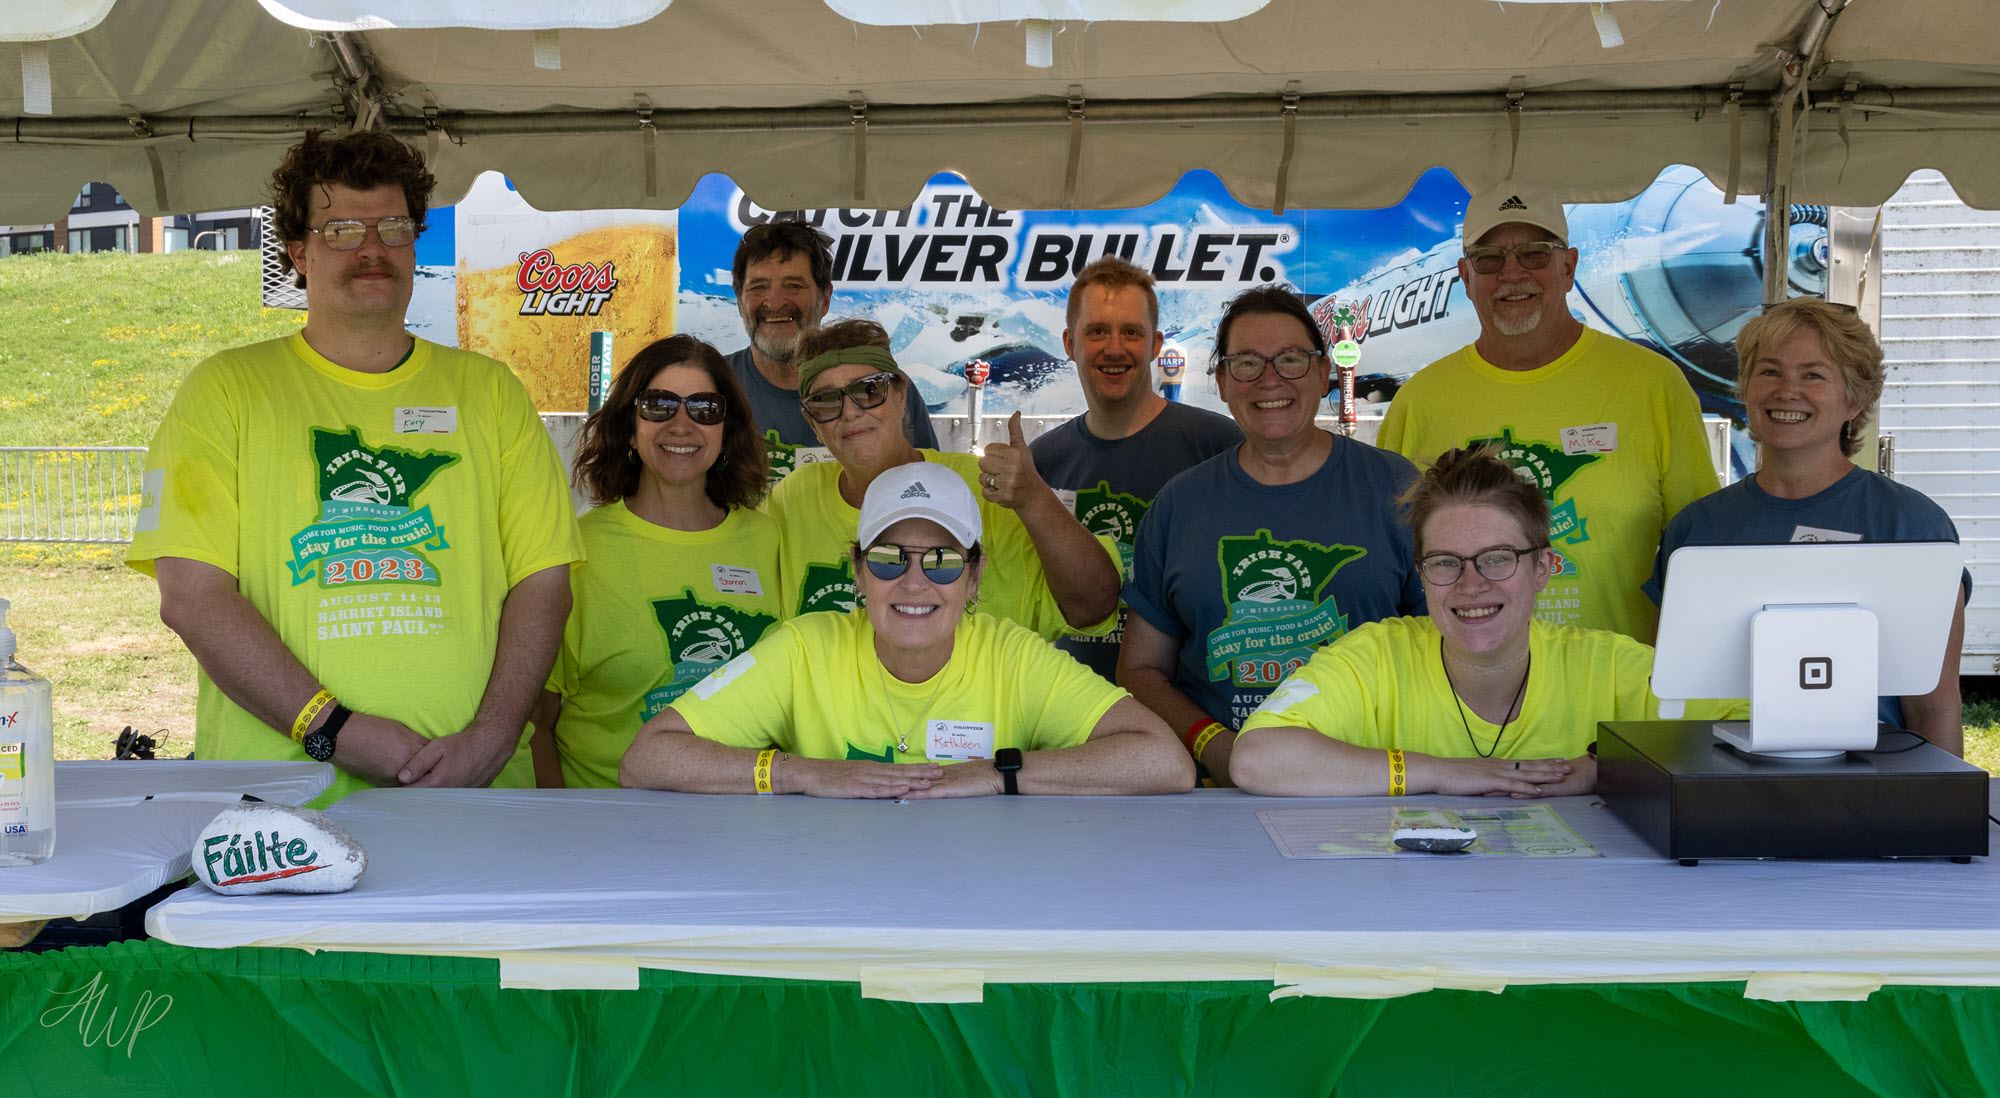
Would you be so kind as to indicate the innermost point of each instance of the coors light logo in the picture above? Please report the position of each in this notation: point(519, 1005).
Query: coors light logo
point(549, 288)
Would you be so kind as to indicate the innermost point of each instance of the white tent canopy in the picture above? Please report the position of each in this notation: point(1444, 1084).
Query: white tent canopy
point(1333, 103)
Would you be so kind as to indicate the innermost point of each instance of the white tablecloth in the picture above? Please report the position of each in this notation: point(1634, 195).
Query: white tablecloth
point(581, 888)
point(115, 845)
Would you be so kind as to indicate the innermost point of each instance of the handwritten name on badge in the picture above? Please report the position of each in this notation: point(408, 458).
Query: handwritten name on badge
point(1595, 438)
point(426, 421)
point(730, 580)
point(959, 740)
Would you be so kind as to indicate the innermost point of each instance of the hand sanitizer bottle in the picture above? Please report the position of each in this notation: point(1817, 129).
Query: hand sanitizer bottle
point(27, 760)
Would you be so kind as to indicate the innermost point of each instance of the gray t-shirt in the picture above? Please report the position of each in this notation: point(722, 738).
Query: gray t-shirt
point(1109, 483)
point(1252, 578)
point(789, 438)
point(1861, 506)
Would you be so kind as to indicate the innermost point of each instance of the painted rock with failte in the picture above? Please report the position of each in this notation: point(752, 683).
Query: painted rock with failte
point(254, 848)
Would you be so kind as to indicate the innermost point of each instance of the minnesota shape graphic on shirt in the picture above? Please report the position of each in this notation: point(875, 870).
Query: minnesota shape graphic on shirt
point(1547, 468)
point(828, 587)
point(1277, 614)
point(699, 638)
point(1115, 515)
point(783, 455)
point(367, 530)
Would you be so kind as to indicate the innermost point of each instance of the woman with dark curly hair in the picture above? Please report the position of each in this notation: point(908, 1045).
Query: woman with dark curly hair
point(681, 572)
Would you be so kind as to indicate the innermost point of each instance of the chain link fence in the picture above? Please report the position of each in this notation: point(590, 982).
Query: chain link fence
point(87, 494)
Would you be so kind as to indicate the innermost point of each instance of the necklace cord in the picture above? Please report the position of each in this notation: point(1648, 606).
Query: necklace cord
point(1512, 710)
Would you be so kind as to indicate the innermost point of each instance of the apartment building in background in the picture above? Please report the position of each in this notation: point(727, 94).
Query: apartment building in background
point(100, 221)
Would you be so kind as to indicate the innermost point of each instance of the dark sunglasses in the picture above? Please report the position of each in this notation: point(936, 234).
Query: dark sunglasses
point(942, 564)
point(866, 392)
point(660, 405)
point(1532, 256)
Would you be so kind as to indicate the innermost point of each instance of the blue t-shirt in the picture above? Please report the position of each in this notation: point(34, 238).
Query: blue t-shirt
point(1861, 506)
point(1108, 483)
point(1252, 578)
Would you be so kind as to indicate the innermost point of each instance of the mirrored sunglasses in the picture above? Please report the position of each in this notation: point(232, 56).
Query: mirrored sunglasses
point(660, 405)
point(866, 392)
point(346, 234)
point(942, 564)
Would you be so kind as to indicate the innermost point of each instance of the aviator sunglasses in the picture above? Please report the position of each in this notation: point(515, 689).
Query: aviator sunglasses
point(346, 234)
point(942, 564)
point(866, 392)
point(660, 405)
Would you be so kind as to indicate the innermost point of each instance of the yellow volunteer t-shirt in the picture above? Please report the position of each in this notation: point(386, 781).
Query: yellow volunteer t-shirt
point(653, 611)
point(815, 687)
point(819, 527)
point(1383, 685)
point(1611, 434)
point(377, 521)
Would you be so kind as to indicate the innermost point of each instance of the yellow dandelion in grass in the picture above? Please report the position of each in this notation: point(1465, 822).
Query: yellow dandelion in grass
point(104, 362)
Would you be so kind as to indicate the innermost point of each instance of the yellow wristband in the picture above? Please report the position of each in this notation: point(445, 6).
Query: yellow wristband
point(319, 701)
point(762, 775)
point(1200, 742)
point(1398, 775)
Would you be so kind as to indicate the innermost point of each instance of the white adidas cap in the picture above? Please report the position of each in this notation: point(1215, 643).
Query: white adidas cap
point(1514, 200)
point(925, 490)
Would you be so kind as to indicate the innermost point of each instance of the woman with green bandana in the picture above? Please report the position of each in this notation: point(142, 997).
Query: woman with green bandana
point(853, 391)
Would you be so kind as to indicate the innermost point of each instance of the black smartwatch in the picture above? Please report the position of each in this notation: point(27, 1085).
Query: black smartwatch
point(1007, 761)
point(321, 742)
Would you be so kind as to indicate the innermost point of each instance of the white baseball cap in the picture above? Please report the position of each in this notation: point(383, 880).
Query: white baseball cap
point(925, 490)
point(1514, 200)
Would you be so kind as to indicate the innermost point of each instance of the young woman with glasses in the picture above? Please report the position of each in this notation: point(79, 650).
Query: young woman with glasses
point(681, 572)
point(1048, 573)
point(911, 695)
point(1247, 563)
point(1479, 697)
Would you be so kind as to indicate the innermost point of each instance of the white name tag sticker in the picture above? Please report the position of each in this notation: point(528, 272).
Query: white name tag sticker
point(731, 580)
point(426, 421)
point(1067, 497)
point(959, 740)
point(808, 455)
point(1817, 533)
point(722, 676)
point(1594, 438)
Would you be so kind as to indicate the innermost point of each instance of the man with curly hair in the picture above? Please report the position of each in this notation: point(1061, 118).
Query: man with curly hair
point(363, 537)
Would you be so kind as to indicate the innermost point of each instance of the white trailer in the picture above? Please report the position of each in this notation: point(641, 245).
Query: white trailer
point(1940, 412)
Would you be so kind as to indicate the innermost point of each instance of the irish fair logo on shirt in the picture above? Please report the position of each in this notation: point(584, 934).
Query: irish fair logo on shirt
point(1115, 515)
point(1278, 608)
point(367, 531)
point(700, 637)
point(828, 587)
point(1547, 468)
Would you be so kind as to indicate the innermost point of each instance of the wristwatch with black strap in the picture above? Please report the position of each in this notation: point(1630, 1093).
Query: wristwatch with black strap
point(1007, 761)
point(321, 742)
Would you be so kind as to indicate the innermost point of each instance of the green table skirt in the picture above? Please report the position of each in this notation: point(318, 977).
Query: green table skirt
point(145, 1018)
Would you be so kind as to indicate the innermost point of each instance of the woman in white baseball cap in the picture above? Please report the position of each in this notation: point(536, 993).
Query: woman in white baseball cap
point(910, 694)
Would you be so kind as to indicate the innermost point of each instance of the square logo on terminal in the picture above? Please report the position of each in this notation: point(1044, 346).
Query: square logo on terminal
point(1816, 673)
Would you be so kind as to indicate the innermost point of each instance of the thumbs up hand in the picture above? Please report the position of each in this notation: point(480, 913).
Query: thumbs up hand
point(1007, 473)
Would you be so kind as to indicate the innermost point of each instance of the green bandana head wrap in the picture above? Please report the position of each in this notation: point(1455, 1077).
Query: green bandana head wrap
point(878, 357)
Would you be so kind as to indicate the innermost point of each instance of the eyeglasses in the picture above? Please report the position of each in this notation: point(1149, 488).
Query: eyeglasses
point(866, 392)
point(1247, 366)
point(942, 564)
point(1496, 564)
point(1532, 256)
point(661, 405)
point(347, 233)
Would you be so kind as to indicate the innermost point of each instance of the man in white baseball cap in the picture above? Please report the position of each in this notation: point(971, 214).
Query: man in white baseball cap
point(1609, 431)
point(909, 694)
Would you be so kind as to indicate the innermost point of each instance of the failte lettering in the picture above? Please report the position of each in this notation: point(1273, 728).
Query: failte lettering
point(232, 859)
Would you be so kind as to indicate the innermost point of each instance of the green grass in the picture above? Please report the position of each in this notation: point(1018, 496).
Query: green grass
point(96, 344)
point(1982, 725)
